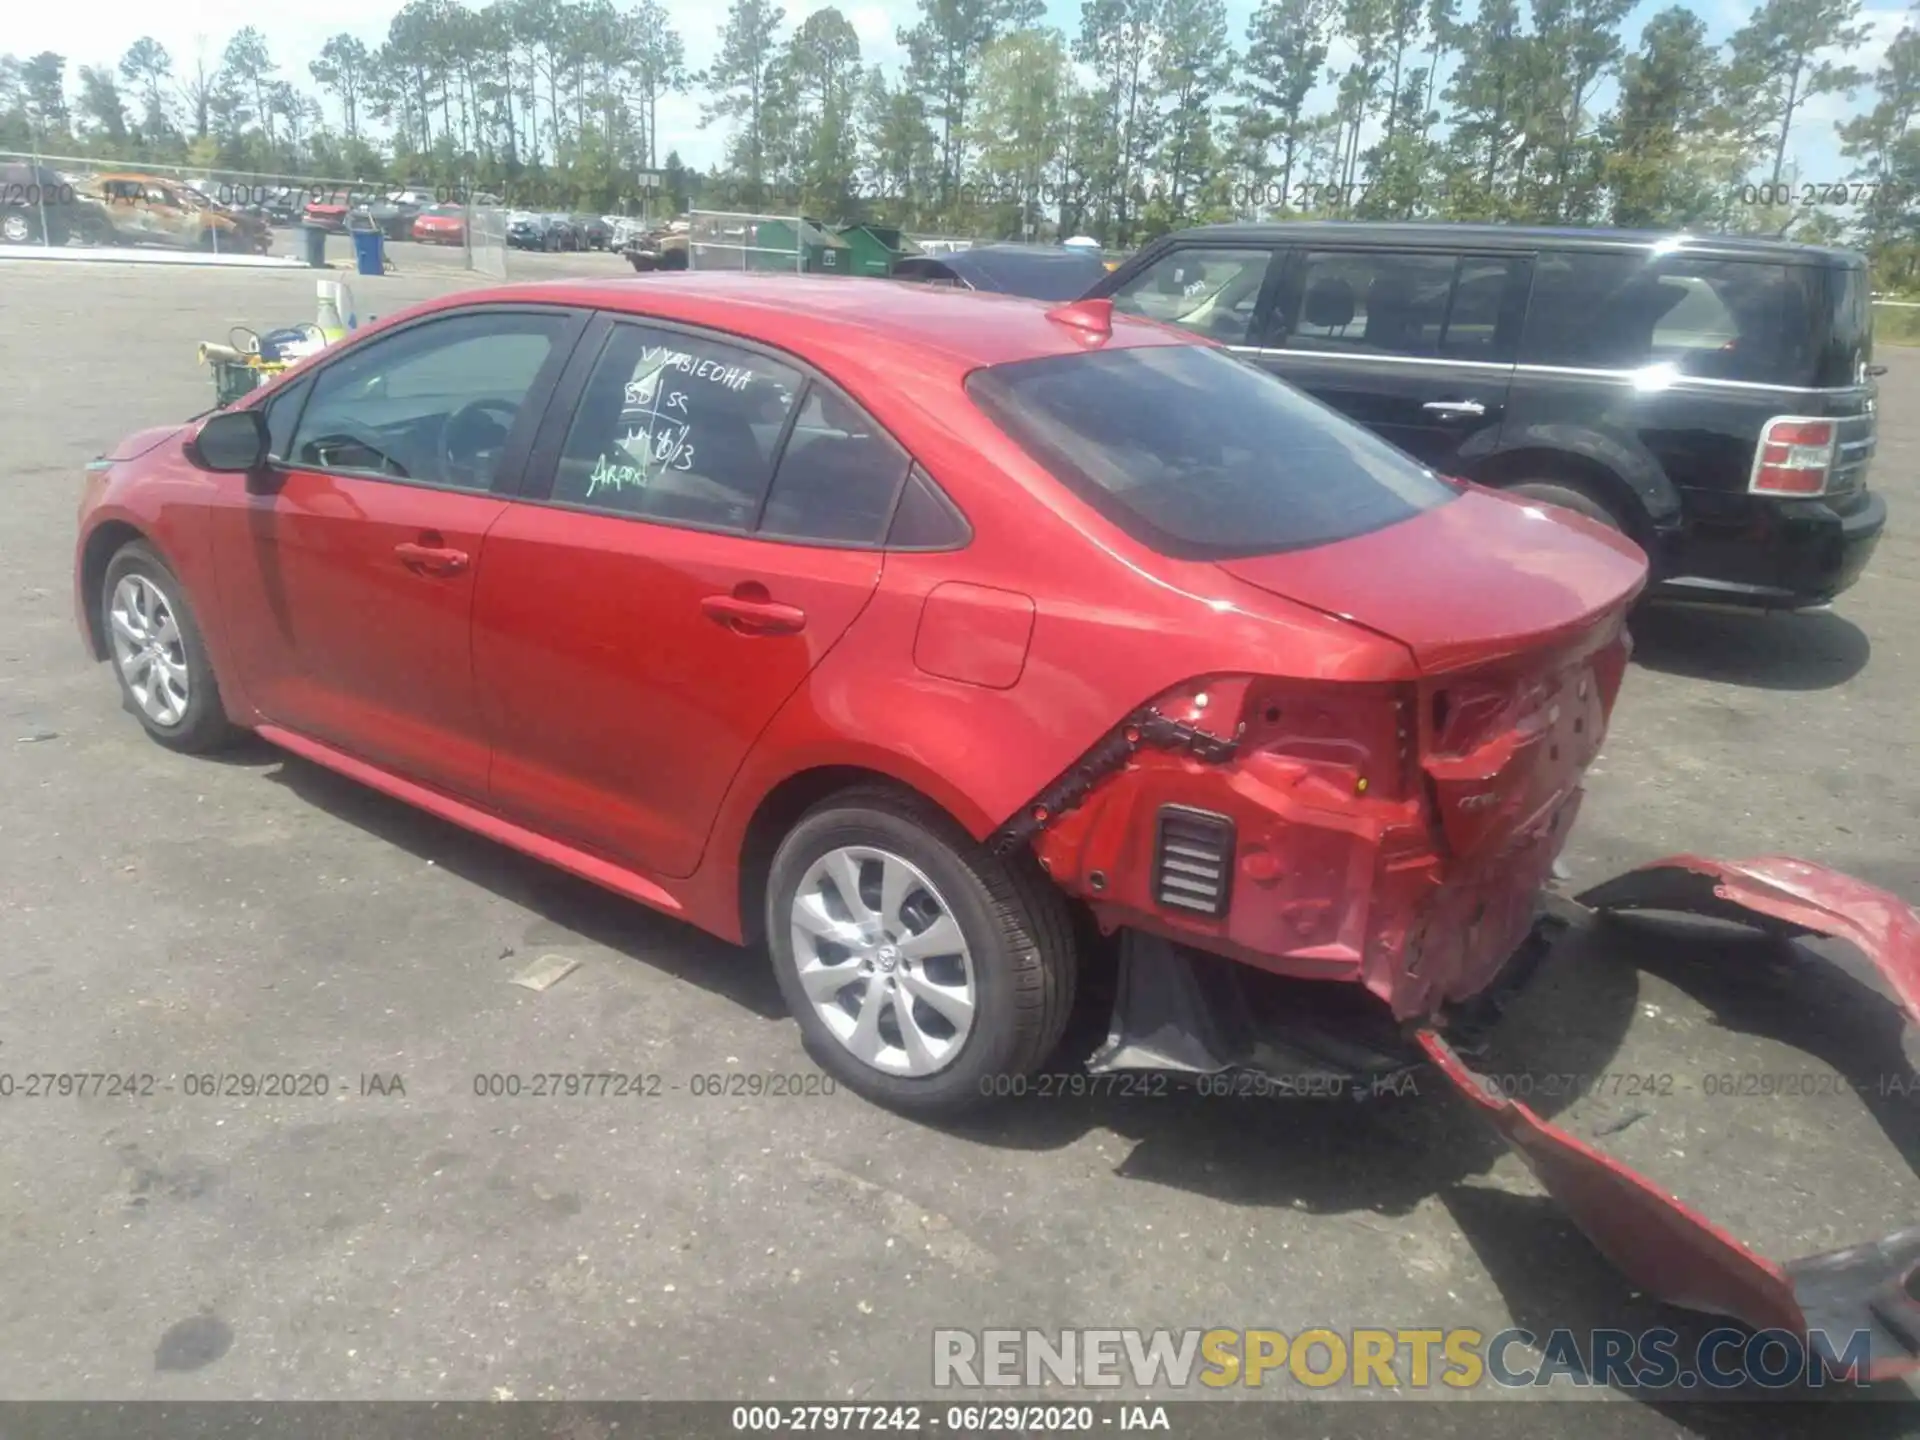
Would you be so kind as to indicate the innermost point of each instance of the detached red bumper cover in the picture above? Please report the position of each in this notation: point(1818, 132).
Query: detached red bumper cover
point(1666, 1248)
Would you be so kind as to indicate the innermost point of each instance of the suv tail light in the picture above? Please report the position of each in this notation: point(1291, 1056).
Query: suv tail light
point(1795, 457)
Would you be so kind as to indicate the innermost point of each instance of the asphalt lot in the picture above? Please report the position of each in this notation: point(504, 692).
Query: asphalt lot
point(255, 914)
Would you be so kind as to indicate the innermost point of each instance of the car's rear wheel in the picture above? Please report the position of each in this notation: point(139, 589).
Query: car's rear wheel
point(1569, 495)
point(19, 226)
point(159, 655)
point(920, 967)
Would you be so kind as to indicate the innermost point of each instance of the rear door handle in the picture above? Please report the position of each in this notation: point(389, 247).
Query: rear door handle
point(754, 617)
point(431, 559)
point(1455, 409)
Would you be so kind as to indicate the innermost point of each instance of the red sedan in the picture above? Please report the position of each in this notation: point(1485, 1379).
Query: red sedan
point(329, 213)
point(442, 225)
point(928, 638)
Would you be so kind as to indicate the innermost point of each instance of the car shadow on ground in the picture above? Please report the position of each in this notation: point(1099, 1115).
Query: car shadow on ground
point(567, 906)
point(1804, 650)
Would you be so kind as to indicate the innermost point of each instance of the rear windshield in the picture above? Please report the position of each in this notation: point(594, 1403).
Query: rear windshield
point(1756, 321)
point(1201, 455)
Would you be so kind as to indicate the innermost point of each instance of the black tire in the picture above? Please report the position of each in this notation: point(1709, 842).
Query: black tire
point(19, 226)
point(1016, 925)
point(203, 726)
point(1569, 495)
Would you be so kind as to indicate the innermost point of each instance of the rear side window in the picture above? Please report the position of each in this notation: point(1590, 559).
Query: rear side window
point(838, 476)
point(1717, 319)
point(1848, 335)
point(1210, 292)
point(1419, 303)
point(677, 428)
point(1201, 455)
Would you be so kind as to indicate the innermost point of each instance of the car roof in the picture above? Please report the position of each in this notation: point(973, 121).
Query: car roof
point(1519, 237)
point(860, 322)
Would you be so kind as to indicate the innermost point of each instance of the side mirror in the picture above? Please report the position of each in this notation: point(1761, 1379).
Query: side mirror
point(231, 442)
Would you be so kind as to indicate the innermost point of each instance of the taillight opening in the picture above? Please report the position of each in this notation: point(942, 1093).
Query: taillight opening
point(1794, 457)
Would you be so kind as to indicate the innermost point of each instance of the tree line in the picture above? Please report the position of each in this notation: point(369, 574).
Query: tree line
point(1545, 113)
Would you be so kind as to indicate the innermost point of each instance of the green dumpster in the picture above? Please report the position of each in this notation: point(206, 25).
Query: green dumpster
point(873, 249)
point(805, 246)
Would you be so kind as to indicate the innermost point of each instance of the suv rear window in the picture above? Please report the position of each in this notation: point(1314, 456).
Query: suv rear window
point(1200, 454)
point(1745, 320)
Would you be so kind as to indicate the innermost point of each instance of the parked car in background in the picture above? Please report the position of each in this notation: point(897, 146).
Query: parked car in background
point(666, 248)
point(393, 215)
point(39, 206)
point(283, 204)
point(441, 225)
point(1039, 272)
point(527, 230)
point(328, 211)
point(148, 210)
point(594, 231)
point(1712, 398)
point(566, 235)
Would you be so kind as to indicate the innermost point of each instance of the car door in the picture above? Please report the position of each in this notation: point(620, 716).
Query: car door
point(1417, 345)
point(170, 220)
point(127, 210)
point(347, 573)
point(637, 622)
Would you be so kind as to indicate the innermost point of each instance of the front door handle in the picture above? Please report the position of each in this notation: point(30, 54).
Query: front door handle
point(754, 617)
point(431, 559)
point(1455, 409)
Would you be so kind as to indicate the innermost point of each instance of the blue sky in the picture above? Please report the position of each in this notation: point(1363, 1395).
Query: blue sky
point(98, 31)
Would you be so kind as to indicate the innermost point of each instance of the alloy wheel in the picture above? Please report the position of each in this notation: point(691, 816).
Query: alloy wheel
point(148, 649)
point(883, 960)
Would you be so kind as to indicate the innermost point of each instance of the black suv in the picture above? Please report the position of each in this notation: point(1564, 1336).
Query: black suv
point(37, 207)
point(1711, 397)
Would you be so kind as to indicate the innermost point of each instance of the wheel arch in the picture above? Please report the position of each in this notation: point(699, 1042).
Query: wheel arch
point(106, 540)
point(780, 808)
point(1635, 494)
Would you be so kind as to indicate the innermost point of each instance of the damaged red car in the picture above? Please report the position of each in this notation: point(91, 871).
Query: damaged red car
point(928, 638)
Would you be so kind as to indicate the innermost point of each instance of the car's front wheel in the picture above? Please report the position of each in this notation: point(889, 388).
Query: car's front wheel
point(159, 655)
point(922, 969)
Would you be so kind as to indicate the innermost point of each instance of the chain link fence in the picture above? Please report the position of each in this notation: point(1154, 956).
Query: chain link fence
point(740, 240)
point(487, 240)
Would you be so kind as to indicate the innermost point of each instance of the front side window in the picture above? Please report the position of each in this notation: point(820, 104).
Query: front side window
point(1200, 454)
point(677, 427)
point(282, 411)
point(434, 404)
point(1210, 292)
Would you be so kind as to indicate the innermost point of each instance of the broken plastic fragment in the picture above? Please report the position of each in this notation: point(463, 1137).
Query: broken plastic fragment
point(546, 972)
